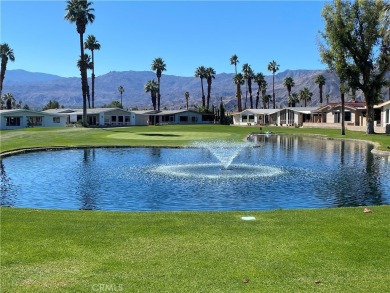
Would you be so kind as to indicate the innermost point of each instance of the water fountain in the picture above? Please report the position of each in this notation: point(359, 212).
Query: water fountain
point(225, 152)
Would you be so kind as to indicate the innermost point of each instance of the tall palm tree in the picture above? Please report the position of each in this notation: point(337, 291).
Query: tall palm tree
point(80, 12)
point(159, 66)
point(234, 61)
point(289, 83)
point(152, 87)
point(201, 73)
point(83, 63)
point(92, 44)
point(121, 90)
point(210, 75)
point(187, 96)
point(238, 81)
point(248, 76)
point(6, 53)
point(305, 95)
point(320, 80)
point(273, 67)
point(262, 86)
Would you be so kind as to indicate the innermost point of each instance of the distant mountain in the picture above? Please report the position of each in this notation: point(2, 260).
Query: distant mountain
point(19, 75)
point(36, 89)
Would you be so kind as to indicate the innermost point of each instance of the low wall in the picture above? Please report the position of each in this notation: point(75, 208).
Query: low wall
point(378, 129)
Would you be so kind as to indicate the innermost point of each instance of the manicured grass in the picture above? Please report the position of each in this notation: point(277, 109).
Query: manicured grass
point(167, 135)
point(326, 250)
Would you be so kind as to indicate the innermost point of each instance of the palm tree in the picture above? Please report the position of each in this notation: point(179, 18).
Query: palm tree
point(6, 53)
point(9, 101)
point(158, 65)
point(262, 86)
point(320, 80)
point(210, 75)
point(201, 73)
point(289, 83)
point(83, 64)
point(293, 99)
point(234, 61)
point(305, 95)
point(88, 65)
point(273, 67)
point(248, 76)
point(266, 99)
point(80, 12)
point(187, 96)
point(152, 87)
point(121, 90)
point(238, 81)
point(92, 44)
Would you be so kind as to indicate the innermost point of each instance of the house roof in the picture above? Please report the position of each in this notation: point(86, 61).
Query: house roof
point(166, 112)
point(37, 113)
point(259, 111)
point(80, 111)
point(382, 104)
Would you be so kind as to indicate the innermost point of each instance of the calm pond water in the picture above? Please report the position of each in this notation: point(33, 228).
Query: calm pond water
point(281, 172)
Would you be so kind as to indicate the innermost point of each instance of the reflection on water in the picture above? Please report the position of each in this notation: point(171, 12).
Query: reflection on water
point(307, 173)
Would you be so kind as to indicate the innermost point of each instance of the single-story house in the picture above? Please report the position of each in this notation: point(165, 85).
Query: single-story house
point(295, 116)
point(176, 117)
point(21, 118)
point(256, 117)
point(102, 116)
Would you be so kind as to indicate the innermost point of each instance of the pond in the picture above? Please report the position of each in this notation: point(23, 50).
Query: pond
point(272, 172)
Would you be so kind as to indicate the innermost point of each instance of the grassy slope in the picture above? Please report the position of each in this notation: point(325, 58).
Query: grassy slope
point(329, 250)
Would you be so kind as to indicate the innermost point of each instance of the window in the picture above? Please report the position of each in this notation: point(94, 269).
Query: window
point(347, 116)
point(127, 119)
point(244, 118)
point(13, 121)
point(120, 118)
point(251, 118)
point(194, 119)
point(183, 119)
point(387, 116)
point(56, 119)
point(113, 118)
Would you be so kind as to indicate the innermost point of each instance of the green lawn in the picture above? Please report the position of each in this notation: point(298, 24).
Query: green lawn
point(167, 135)
point(326, 250)
point(312, 250)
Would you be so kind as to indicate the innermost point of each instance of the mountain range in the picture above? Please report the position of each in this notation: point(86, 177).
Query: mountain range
point(36, 89)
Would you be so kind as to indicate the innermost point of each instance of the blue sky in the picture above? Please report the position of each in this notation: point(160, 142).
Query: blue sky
point(186, 34)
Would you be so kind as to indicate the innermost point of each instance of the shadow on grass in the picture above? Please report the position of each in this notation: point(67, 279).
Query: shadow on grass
point(159, 134)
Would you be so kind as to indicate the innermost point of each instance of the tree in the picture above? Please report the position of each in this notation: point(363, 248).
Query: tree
point(6, 53)
point(92, 44)
point(152, 87)
point(262, 87)
point(234, 61)
point(201, 73)
point(52, 105)
point(9, 101)
point(159, 66)
point(121, 90)
point(356, 47)
point(273, 67)
point(305, 95)
point(289, 83)
point(248, 76)
point(320, 80)
point(187, 96)
point(210, 75)
point(83, 64)
point(222, 114)
point(238, 81)
point(80, 12)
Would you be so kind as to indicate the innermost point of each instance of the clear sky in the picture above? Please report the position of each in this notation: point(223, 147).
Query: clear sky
point(186, 34)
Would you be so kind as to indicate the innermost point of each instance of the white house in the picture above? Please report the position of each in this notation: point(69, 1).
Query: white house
point(176, 117)
point(256, 117)
point(21, 118)
point(102, 116)
point(384, 121)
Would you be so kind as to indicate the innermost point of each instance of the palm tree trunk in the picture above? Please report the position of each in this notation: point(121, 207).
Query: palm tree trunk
point(203, 97)
point(158, 94)
point(93, 80)
point(239, 98)
point(321, 94)
point(2, 74)
point(84, 81)
point(273, 90)
point(208, 95)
